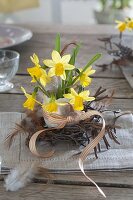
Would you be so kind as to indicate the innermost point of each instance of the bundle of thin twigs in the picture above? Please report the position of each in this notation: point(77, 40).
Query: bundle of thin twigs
point(122, 54)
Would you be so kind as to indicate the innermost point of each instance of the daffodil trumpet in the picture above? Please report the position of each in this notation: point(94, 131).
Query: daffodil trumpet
point(31, 99)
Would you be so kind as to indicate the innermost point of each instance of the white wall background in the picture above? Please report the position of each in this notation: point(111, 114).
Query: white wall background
point(73, 12)
point(55, 11)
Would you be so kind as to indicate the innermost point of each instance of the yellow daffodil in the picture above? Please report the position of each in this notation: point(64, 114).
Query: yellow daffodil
point(38, 72)
point(77, 100)
point(121, 25)
point(84, 79)
point(130, 24)
point(35, 71)
point(58, 65)
point(30, 102)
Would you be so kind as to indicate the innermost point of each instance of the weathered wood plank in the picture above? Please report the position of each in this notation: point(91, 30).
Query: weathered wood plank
point(65, 192)
point(113, 178)
point(11, 102)
point(121, 87)
point(128, 73)
point(82, 29)
point(43, 43)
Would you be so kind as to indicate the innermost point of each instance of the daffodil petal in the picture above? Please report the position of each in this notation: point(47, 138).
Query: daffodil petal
point(33, 80)
point(121, 26)
point(63, 76)
point(91, 72)
point(43, 81)
point(49, 63)
point(25, 93)
point(65, 59)
point(90, 99)
point(72, 101)
point(51, 72)
point(23, 90)
point(117, 21)
point(73, 92)
point(35, 71)
point(86, 82)
point(34, 59)
point(84, 94)
point(68, 67)
point(68, 96)
point(29, 103)
point(56, 56)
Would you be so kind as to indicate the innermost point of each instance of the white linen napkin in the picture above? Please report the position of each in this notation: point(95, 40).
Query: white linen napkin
point(117, 157)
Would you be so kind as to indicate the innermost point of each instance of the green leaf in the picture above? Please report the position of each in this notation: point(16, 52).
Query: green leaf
point(94, 59)
point(57, 43)
point(59, 92)
point(74, 55)
point(69, 74)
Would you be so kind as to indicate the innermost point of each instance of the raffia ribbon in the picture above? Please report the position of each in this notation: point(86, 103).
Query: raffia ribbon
point(59, 122)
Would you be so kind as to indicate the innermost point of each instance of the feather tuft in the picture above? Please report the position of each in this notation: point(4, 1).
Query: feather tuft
point(23, 174)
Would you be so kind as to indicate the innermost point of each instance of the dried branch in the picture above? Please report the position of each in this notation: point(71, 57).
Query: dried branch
point(66, 47)
point(122, 53)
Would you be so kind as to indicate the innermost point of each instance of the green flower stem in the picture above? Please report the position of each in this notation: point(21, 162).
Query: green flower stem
point(35, 90)
point(63, 86)
point(42, 88)
point(95, 58)
point(120, 36)
point(69, 77)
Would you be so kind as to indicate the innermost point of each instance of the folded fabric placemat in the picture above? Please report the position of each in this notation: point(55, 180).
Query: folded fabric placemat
point(117, 157)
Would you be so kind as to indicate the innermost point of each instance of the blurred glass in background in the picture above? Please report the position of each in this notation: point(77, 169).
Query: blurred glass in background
point(73, 12)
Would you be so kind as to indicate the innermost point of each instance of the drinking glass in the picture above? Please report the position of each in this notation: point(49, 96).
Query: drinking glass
point(9, 62)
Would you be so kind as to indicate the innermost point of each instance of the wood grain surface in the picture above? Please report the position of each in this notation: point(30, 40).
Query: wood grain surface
point(116, 185)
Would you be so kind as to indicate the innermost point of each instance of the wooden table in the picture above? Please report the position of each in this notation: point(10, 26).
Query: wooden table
point(116, 185)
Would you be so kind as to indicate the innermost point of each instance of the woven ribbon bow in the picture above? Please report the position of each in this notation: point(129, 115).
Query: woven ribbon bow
point(58, 122)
